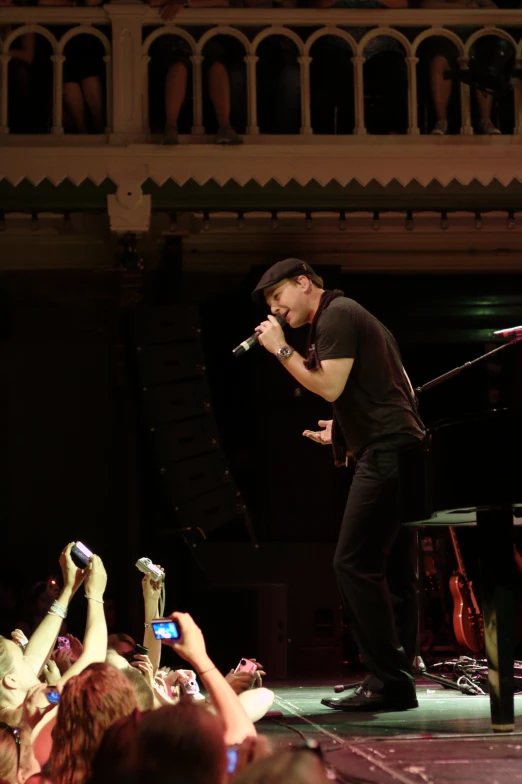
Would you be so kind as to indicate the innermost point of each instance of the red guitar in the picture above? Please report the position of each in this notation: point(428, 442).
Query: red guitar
point(467, 617)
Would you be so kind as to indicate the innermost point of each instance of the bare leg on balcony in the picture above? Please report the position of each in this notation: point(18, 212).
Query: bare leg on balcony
point(93, 94)
point(219, 90)
point(440, 92)
point(75, 103)
point(175, 91)
point(485, 105)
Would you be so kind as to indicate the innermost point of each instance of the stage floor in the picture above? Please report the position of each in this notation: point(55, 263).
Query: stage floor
point(446, 739)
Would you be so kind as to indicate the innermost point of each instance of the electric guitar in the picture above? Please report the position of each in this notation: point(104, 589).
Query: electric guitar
point(467, 617)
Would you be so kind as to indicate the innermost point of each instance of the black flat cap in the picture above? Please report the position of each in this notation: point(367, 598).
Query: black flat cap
point(288, 268)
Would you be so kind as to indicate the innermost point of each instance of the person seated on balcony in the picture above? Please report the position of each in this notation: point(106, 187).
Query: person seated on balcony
point(444, 58)
point(21, 52)
point(83, 93)
point(174, 54)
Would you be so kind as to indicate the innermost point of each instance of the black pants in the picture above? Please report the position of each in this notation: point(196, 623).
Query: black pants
point(376, 568)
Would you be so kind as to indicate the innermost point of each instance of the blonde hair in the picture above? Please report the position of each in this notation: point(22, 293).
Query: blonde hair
point(6, 665)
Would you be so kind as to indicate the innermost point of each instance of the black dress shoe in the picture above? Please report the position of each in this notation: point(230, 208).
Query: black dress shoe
point(371, 701)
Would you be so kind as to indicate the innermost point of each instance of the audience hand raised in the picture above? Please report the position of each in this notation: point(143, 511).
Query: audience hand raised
point(72, 575)
point(95, 578)
point(151, 590)
point(191, 646)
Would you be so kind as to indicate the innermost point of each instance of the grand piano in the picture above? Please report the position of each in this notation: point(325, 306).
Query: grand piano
point(469, 472)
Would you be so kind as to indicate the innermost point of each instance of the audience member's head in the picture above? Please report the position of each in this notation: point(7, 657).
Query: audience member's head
point(9, 753)
point(174, 743)
point(116, 659)
point(122, 643)
point(293, 766)
point(90, 703)
point(112, 756)
point(16, 674)
point(144, 693)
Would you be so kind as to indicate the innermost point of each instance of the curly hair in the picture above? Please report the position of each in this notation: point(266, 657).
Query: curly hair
point(90, 703)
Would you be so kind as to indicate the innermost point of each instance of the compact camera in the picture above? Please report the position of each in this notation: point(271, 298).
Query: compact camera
point(81, 555)
point(165, 629)
point(146, 566)
point(245, 665)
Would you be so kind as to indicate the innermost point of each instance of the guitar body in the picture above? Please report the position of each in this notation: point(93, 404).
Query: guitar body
point(466, 624)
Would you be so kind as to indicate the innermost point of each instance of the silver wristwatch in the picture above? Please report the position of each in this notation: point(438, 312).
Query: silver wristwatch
point(284, 353)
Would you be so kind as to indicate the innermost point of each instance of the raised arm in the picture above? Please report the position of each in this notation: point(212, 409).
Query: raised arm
point(227, 704)
point(151, 595)
point(43, 639)
point(95, 641)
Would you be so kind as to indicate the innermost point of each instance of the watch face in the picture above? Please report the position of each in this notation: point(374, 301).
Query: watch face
point(284, 352)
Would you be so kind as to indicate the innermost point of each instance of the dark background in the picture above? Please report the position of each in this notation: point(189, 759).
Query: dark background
point(76, 463)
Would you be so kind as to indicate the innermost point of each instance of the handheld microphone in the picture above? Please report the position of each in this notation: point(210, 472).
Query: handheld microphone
point(508, 333)
point(253, 340)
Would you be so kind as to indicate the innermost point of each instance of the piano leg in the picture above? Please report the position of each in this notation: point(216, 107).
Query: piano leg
point(495, 532)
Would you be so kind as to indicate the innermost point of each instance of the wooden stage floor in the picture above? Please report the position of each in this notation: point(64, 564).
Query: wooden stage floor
point(446, 740)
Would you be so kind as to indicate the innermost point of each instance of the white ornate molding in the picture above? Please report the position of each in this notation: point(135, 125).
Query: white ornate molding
point(363, 159)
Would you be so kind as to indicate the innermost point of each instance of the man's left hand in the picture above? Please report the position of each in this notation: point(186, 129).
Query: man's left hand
point(271, 335)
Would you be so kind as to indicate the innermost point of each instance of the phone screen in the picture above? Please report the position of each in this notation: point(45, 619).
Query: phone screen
point(53, 696)
point(166, 630)
point(231, 760)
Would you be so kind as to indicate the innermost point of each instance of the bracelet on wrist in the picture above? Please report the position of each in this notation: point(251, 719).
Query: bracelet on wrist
point(58, 610)
point(94, 599)
point(205, 671)
point(147, 625)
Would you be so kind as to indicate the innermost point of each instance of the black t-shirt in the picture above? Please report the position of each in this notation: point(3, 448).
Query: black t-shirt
point(377, 402)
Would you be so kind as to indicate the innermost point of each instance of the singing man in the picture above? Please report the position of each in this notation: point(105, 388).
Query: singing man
point(354, 363)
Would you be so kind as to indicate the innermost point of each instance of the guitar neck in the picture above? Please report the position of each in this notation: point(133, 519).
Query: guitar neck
point(458, 555)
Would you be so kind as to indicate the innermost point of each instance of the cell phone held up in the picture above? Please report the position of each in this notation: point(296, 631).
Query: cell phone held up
point(62, 643)
point(139, 649)
point(166, 629)
point(81, 555)
point(52, 695)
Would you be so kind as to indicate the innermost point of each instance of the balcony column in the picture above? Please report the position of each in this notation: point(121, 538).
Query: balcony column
point(306, 124)
point(4, 98)
point(127, 106)
point(197, 87)
point(57, 61)
point(252, 126)
point(466, 128)
point(413, 124)
point(358, 91)
point(108, 88)
point(517, 100)
point(145, 60)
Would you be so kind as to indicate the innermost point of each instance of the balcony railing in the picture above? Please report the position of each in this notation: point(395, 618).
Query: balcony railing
point(127, 31)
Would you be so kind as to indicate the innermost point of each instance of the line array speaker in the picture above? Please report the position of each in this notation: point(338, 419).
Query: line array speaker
point(178, 414)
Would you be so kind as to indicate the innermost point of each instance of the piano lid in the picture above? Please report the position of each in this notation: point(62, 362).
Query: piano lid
point(469, 463)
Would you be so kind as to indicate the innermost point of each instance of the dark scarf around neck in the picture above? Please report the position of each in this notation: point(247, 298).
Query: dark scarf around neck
point(312, 362)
